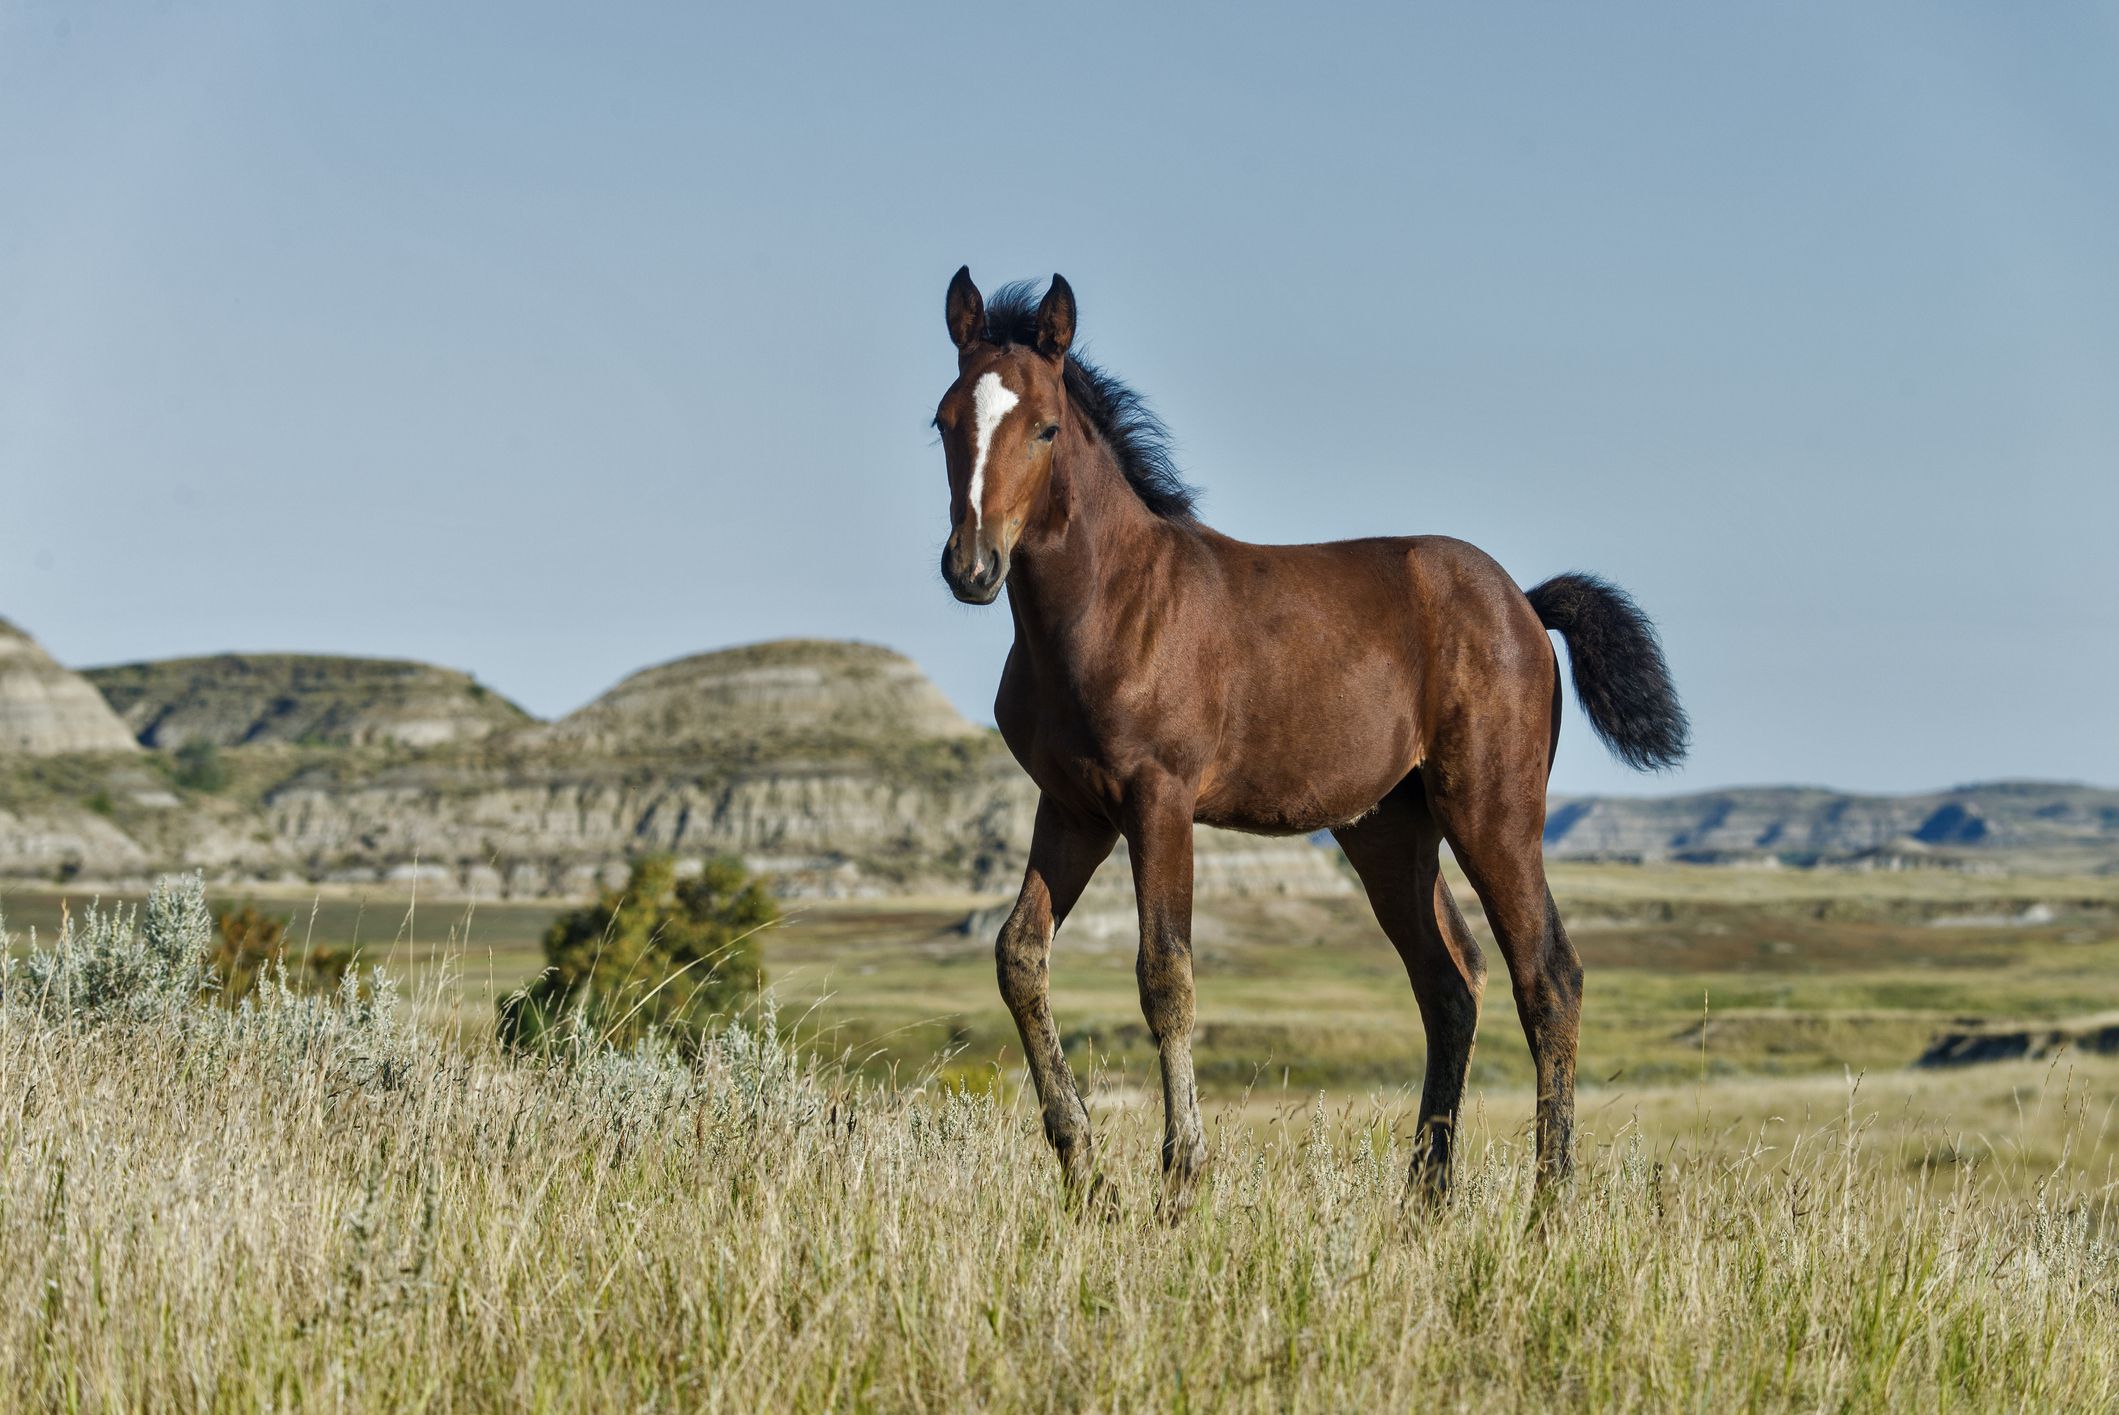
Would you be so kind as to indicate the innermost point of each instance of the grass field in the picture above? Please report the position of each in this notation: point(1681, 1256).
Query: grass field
point(370, 1210)
point(1692, 972)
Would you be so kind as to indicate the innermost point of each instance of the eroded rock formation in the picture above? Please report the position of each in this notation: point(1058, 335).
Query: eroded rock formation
point(833, 768)
point(239, 699)
point(46, 710)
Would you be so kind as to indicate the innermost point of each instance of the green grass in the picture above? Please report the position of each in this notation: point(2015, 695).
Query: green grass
point(1795, 972)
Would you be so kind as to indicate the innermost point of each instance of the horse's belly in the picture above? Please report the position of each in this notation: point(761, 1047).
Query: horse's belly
point(1310, 781)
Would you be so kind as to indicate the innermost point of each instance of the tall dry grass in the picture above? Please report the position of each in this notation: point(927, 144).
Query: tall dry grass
point(318, 1203)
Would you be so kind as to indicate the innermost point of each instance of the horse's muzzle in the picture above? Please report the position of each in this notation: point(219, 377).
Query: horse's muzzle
point(980, 580)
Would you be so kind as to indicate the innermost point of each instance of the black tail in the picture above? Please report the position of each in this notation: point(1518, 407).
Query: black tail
point(1619, 671)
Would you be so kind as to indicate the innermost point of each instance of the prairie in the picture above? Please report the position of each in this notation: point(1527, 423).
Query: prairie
point(363, 1204)
point(1692, 971)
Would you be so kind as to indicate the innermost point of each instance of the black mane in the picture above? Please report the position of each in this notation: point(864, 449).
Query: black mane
point(1138, 438)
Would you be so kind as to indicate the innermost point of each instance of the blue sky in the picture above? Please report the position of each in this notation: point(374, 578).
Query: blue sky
point(551, 342)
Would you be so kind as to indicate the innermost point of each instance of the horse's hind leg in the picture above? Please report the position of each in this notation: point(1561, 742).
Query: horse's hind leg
point(1396, 850)
point(1495, 824)
point(1064, 853)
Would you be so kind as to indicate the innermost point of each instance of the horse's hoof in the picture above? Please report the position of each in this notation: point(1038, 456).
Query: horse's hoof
point(1426, 1195)
point(1548, 1199)
point(1093, 1197)
point(1180, 1192)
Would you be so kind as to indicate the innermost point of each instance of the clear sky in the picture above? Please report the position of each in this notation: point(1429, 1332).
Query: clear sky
point(553, 342)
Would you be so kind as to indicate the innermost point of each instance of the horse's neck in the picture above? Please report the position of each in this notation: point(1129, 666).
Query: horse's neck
point(1084, 565)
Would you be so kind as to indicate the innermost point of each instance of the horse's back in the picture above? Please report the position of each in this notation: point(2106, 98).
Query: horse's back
point(1343, 662)
point(1413, 594)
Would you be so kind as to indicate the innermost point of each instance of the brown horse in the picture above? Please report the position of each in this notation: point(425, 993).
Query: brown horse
point(1400, 692)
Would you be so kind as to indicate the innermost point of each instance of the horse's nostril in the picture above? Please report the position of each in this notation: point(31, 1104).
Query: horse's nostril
point(978, 573)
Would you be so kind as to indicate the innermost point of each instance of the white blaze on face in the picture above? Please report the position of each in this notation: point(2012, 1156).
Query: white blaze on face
point(990, 401)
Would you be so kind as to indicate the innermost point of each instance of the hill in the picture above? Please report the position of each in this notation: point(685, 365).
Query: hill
point(237, 699)
point(46, 710)
point(789, 692)
point(2027, 824)
point(832, 768)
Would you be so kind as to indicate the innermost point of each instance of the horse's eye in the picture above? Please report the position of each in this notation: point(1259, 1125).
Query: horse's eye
point(1051, 431)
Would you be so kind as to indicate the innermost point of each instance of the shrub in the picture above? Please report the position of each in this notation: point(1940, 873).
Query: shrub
point(664, 957)
point(248, 945)
point(176, 952)
point(114, 964)
point(144, 975)
point(199, 767)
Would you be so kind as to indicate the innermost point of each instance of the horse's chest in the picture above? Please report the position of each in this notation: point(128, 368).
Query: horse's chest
point(1084, 747)
point(1064, 757)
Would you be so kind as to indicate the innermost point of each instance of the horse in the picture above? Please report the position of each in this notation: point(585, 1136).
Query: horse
point(1400, 692)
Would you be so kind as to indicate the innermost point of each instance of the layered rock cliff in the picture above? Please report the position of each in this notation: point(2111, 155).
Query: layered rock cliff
point(832, 768)
point(2054, 823)
point(239, 699)
point(786, 695)
point(46, 710)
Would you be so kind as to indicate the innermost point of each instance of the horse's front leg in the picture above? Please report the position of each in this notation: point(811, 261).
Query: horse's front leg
point(1159, 841)
point(1064, 853)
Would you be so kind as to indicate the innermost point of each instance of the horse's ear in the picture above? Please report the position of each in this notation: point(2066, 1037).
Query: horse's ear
point(1055, 319)
point(966, 311)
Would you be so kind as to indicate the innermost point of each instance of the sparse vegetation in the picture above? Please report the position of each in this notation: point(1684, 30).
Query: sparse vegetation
point(328, 1204)
point(249, 945)
point(664, 957)
point(197, 766)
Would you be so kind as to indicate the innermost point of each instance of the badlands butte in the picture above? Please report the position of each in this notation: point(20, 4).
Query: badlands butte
point(831, 768)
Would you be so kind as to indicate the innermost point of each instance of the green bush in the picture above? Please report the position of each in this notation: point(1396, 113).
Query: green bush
point(248, 945)
point(199, 767)
point(663, 955)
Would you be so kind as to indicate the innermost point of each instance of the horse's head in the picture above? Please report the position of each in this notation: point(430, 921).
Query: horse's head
point(1000, 422)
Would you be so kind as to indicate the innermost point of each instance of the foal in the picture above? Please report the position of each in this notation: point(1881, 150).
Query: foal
point(1398, 691)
